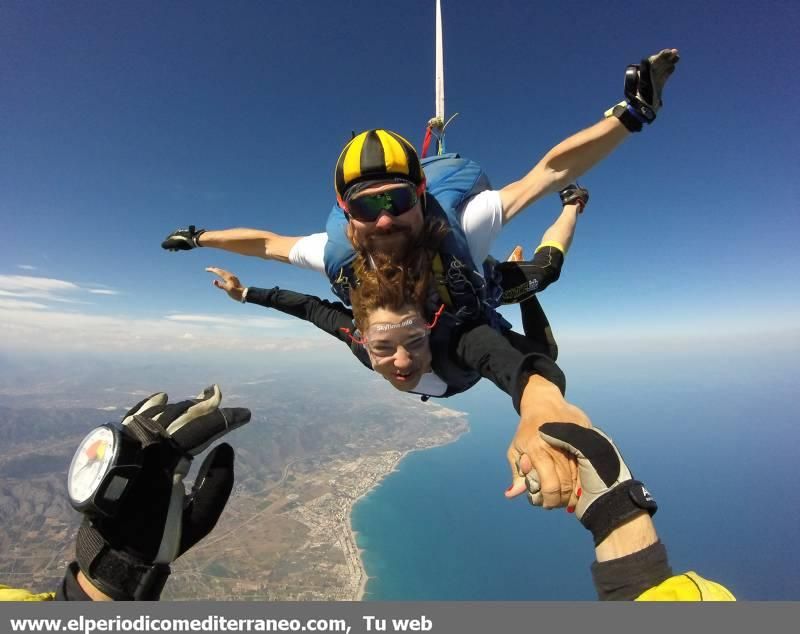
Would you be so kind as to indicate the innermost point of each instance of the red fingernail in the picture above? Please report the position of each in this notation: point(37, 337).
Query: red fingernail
point(579, 491)
point(570, 509)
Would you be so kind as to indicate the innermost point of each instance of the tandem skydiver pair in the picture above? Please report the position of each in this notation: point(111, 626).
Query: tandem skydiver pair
point(391, 209)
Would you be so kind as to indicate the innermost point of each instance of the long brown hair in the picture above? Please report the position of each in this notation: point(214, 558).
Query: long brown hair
point(393, 284)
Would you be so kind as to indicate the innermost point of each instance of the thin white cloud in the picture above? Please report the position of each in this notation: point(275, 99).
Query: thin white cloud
point(27, 283)
point(110, 408)
point(26, 267)
point(16, 304)
point(47, 289)
point(235, 322)
point(42, 295)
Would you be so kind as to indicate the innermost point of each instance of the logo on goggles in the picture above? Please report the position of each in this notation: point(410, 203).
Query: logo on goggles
point(402, 324)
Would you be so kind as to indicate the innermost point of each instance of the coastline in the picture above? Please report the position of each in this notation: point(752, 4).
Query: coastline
point(361, 577)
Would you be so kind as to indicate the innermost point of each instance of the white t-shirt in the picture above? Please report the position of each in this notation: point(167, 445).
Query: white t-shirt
point(481, 220)
point(430, 385)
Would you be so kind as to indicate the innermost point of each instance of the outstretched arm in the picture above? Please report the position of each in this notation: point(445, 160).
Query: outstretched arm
point(564, 164)
point(568, 160)
point(520, 279)
point(617, 509)
point(328, 316)
point(556, 474)
point(253, 242)
point(561, 232)
point(306, 251)
point(535, 383)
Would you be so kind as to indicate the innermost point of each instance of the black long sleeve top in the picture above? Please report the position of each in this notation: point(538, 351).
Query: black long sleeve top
point(505, 358)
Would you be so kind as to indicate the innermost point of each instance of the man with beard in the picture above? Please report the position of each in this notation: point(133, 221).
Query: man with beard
point(376, 165)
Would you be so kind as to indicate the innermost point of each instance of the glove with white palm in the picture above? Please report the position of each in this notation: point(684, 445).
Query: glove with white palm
point(609, 496)
point(127, 556)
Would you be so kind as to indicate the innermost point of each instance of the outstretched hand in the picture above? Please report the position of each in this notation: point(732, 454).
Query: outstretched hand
point(126, 554)
point(610, 496)
point(548, 474)
point(228, 282)
point(644, 82)
point(660, 66)
point(183, 239)
point(574, 194)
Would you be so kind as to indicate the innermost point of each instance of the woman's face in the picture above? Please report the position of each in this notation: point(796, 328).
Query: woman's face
point(398, 346)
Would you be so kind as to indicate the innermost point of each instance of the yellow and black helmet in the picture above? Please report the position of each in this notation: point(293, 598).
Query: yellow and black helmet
point(376, 155)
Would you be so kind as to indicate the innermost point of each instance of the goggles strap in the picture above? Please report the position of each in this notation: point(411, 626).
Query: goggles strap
point(353, 338)
point(436, 316)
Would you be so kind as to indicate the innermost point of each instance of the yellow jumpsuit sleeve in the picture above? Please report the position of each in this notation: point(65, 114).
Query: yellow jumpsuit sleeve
point(687, 587)
point(14, 594)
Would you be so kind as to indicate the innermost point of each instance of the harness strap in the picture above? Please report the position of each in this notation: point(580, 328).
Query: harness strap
point(441, 286)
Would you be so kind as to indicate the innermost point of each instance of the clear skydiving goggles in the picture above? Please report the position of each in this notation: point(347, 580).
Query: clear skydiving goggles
point(383, 339)
point(369, 207)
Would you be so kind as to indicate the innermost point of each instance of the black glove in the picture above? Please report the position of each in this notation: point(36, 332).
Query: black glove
point(644, 84)
point(574, 194)
point(128, 556)
point(182, 239)
point(609, 496)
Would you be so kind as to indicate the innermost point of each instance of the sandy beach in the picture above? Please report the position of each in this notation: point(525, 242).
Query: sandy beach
point(360, 577)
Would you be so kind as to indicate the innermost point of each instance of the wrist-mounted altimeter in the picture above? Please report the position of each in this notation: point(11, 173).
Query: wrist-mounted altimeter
point(103, 468)
point(128, 481)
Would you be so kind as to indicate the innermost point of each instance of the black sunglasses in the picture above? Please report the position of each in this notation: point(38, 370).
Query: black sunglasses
point(369, 207)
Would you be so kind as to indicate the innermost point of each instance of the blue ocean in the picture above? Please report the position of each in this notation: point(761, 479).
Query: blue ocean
point(717, 442)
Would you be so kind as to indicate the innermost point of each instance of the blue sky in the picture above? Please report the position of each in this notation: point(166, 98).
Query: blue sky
point(123, 121)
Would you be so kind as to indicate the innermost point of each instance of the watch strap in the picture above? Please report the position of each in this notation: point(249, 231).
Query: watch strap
point(627, 115)
point(145, 430)
point(616, 507)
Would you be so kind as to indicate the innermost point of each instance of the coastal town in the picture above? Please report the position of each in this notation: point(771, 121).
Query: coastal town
point(298, 543)
point(286, 533)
